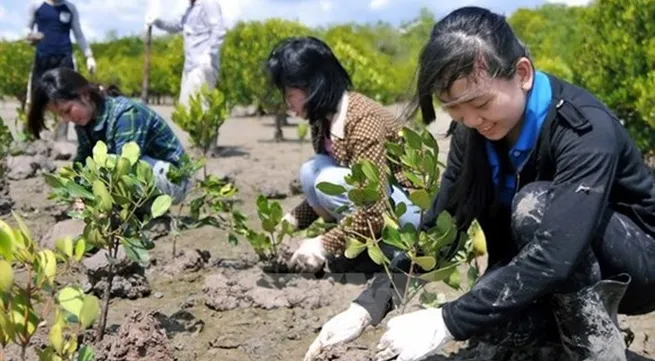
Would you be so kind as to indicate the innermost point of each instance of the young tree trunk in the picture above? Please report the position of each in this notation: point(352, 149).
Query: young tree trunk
point(113, 251)
point(146, 66)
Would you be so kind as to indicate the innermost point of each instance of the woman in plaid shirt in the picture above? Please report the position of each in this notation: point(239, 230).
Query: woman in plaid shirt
point(111, 118)
point(346, 127)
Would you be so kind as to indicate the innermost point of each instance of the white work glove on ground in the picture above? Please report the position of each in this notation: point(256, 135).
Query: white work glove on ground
point(344, 327)
point(414, 336)
point(91, 64)
point(310, 256)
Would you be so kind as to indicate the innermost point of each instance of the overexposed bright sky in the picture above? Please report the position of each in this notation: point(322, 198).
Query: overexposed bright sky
point(125, 17)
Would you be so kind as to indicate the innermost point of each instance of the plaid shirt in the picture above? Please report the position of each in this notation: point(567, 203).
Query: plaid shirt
point(360, 131)
point(122, 121)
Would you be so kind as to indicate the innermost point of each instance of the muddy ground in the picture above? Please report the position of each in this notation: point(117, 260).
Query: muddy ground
point(212, 302)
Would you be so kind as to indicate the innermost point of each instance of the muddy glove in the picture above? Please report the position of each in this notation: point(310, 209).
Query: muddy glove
point(413, 336)
point(310, 256)
point(344, 327)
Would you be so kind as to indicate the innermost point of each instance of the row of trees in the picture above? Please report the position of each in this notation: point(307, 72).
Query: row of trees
point(606, 47)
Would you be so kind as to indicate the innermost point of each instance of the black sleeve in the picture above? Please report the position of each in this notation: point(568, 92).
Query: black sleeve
point(586, 165)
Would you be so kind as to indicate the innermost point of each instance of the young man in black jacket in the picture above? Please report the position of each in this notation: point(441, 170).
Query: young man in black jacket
point(560, 190)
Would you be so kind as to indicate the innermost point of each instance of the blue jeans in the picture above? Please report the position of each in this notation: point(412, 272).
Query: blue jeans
point(322, 168)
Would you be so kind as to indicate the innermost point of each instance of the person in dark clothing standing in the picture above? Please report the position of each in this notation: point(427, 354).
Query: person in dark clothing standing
point(560, 190)
point(54, 20)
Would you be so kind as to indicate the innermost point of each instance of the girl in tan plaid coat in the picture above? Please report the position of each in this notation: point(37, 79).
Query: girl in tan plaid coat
point(346, 127)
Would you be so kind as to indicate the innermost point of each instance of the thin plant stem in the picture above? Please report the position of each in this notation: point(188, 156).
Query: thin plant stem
point(113, 252)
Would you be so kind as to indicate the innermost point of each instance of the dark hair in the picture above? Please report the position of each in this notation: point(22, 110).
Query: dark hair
point(468, 40)
point(309, 64)
point(62, 84)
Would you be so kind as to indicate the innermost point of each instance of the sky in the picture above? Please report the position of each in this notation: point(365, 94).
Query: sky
point(126, 17)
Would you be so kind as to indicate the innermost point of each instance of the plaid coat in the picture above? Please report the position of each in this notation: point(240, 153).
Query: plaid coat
point(359, 131)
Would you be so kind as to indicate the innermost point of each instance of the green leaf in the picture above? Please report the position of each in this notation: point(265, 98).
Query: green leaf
point(103, 198)
point(472, 276)
point(6, 242)
point(429, 164)
point(430, 142)
point(421, 198)
point(376, 255)
point(161, 205)
point(363, 197)
point(426, 262)
point(268, 225)
point(390, 221)
point(24, 327)
point(413, 139)
point(80, 249)
point(391, 236)
point(440, 274)
point(478, 239)
point(53, 181)
point(77, 191)
point(400, 210)
point(6, 330)
point(6, 276)
point(71, 299)
point(370, 171)
point(27, 238)
point(48, 264)
point(354, 248)
point(395, 149)
point(301, 130)
point(144, 172)
point(331, 189)
point(64, 246)
point(56, 337)
point(85, 354)
point(100, 153)
point(136, 254)
point(416, 181)
point(262, 204)
point(122, 167)
point(409, 235)
point(90, 311)
point(132, 152)
point(454, 280)
point(342, 209)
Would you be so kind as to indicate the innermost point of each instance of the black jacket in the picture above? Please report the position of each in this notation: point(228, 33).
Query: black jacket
point(581, 144)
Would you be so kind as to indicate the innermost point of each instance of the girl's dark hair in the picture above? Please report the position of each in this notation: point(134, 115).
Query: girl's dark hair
point(62, 84)
point(466, 41)
point(309, 64)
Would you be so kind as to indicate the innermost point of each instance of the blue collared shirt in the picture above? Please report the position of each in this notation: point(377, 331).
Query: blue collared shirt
point(536, 110)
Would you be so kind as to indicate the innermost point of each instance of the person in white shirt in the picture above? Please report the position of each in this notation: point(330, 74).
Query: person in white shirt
point(204, 31)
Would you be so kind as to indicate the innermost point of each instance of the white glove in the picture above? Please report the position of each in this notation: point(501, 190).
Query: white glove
point(291, 219)
point(91, 64)
point(310, 256)
point(413, 336)
point(344, 327)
